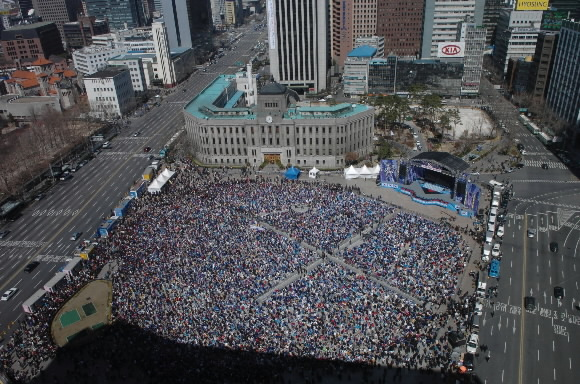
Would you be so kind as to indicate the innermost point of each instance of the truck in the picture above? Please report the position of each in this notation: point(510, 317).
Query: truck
point(107, 227)
point(148, 174)
point(138, 189)
point(121, 209)
point(84, 252)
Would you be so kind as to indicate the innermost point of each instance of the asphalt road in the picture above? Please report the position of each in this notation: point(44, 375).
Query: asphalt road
point(79, 204)
point(535, 346)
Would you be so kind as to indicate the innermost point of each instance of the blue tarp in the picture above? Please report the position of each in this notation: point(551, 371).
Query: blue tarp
point(292, 173)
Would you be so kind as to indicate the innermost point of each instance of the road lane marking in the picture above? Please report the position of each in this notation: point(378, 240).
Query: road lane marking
point(522, 322)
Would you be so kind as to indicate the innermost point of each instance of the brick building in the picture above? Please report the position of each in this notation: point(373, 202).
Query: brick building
point(29, 42)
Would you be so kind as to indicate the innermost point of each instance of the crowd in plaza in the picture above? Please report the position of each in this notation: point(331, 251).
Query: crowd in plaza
point(193, 261)
point(419, 256)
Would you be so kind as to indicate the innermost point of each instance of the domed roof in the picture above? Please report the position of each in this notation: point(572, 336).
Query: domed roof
point(273, 89)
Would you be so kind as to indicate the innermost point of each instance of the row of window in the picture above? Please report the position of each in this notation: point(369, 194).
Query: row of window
point(269, 129)
point(298, 162)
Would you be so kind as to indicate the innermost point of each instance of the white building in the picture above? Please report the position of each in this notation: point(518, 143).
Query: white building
point(136, 69)
point(441, 20)
point(516, 36)
point(93, 58)
point(356, 70)
point(165, 66)
point(137, 40)
point(298, 54)
point(110, 92)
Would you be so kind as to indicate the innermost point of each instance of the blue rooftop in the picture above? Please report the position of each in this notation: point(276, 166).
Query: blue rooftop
point(202, 106)
point(363, 51)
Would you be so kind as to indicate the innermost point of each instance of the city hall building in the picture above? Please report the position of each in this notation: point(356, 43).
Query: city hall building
point(228, 125)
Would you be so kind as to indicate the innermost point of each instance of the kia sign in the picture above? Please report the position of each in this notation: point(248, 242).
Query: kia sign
point(451, 49)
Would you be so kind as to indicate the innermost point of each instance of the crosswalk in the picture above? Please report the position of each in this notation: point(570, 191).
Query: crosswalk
point(538, 164)
point(53, 258)
point(546, 181)
point(23, 244)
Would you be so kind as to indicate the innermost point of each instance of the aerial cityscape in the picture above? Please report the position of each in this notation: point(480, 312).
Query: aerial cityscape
point(289, 191)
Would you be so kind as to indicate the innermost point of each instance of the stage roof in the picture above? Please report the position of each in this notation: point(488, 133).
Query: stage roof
point(453, 163)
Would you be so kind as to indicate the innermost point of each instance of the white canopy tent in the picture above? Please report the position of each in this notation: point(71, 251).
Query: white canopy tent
point(159, 182)
point(364, 172)
point(313, 173)
point(351, 173)
point(155, 187)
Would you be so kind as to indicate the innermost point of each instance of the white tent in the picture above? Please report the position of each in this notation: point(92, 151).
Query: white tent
point(155, 187)
point(351, 173)
point(364, 172)
point(313, 173)
point(376, 170)
point(167, 173)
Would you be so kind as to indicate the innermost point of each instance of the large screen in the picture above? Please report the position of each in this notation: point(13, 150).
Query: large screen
point(389, 171)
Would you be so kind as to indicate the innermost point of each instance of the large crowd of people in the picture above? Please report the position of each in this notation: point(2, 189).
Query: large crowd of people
point(193, 261)
point(419, 256)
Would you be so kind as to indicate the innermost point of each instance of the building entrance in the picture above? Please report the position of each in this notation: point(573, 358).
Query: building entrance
point(272, 158)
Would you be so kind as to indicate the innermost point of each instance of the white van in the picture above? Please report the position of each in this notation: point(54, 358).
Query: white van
point(494, 184)
point(489, 237)
point(106, 144)
point(481, 287)
point(156, 164)
point(495, 203)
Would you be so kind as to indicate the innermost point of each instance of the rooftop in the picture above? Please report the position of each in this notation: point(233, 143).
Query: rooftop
point(363, 51)
point(107, 73)
point(203, 107)
point(30, 26)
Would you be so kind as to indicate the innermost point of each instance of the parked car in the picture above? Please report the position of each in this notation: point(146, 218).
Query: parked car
point(496, 251)
point(8, 294)
point(473, 343)
point(30, 267)
point(500, 231)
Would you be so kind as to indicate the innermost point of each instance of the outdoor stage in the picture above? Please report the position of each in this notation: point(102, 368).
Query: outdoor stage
point(433, 178)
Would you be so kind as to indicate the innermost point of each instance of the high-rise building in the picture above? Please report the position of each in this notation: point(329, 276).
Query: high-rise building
point(491, 10)
point(183, 19)
point(564, 91)
point(401, 23)
point(543, 64)
point(163, 53)
point(570, 6)
point(473, 36)
point(517, 34)
point(121, 14)
point(350, 19)
point(441, 20)
point(58, 11)
point(298, 43)
point(78, 34)
point(356, 70)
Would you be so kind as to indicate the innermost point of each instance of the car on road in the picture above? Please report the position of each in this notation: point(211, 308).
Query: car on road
point(532, 232)
point(40, 196)
point(496, 251)
point(529, 303)
point(147, 149)
point(473, 343)
point(544, 166)
point(75, 236)
point(4, 233)
point(558, 292)
point(509, 170)
point(8, 294)
point(554, 247)
point(66, 176)
point(500, 231)
point(31, 267)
